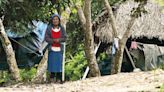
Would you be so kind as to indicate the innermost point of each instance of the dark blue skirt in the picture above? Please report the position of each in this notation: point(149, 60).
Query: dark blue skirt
point(55, 61)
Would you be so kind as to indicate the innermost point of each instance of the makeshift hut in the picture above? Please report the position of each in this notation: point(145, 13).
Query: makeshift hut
point(28, 47)
point(147, 30)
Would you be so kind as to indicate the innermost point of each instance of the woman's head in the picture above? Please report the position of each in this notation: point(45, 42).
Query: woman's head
point(55, 19)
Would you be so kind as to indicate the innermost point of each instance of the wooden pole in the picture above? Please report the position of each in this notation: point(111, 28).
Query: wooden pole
point(63, 64)
point(131, 60)
point(86, 73)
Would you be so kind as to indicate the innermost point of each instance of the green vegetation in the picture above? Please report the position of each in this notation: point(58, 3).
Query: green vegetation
point(162, 88)
point(75, 65)
point(27, 74)
point(4, 77)
point(161, 2)
point(161, 66)
point(19, 14)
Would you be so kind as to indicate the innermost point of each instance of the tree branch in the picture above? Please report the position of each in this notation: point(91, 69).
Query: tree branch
point(111, 16)
point(87, 13)
point(81, 15)
point(65, 16)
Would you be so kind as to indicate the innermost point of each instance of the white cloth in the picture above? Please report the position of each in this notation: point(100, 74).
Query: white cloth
point(56, 29)
point(116, 43)
point(56, 48)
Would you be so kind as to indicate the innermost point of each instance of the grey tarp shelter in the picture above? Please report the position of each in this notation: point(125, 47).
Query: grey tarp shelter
point(28, 48)
point(148, 56)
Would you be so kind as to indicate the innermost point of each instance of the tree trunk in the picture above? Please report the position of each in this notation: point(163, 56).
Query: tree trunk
point(42, 67)
point(111, 16)
point(119, 53)
point(117, 62)
point(9, 53)
point(89, 41)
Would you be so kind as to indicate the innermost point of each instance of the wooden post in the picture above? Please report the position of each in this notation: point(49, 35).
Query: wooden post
point(63, 65)
point(131, 60)
point(86, 73)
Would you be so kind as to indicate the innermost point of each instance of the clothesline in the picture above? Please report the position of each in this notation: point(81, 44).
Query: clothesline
point(25, 47)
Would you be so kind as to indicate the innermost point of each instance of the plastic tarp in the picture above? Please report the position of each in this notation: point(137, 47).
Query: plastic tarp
point(35, 41)
point(153, 56)
point(148, 57)
point(138, 58)
point(31, 49)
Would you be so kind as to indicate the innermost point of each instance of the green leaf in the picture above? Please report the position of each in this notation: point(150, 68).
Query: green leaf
point(160, 2)
point(162, 88)
point(74, 11)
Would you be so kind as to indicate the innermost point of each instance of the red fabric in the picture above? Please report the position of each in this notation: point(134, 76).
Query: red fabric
point(133, 45)
point(55, 35)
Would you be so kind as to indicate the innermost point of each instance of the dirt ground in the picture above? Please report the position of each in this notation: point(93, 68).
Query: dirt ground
point(150, 81)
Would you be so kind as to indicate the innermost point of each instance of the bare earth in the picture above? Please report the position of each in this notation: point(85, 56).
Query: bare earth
point(124, 82)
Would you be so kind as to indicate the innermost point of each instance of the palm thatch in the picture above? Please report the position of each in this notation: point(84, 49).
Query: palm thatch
point(150, 25)
point(102, 28)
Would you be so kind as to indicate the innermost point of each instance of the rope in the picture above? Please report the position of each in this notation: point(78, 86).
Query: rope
point(25, 47)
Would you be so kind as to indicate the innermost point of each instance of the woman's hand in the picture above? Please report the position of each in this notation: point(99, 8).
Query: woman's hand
point(56, 40)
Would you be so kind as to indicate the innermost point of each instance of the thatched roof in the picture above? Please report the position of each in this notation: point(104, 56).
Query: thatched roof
point(149, 25)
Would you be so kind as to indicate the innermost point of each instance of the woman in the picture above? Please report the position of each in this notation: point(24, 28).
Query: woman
point(55, 35)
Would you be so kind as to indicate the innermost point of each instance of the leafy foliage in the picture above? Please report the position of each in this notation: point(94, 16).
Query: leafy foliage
point(5, 77)
point(16, 11)
point(20, 13)
point(160, 2)
point(161, 66)
point(104, 62)
point(98, 6)
point(75, 65)
point(137, 12)
point(27, 74)
point(74, 31)
point(102, 57)
point(162, 88)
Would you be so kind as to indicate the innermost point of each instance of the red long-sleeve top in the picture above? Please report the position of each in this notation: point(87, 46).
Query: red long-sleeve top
point(55, 35)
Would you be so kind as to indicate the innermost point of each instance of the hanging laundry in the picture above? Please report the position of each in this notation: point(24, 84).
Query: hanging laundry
point(116, 43)
point(113, 49)
point(133, 45)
